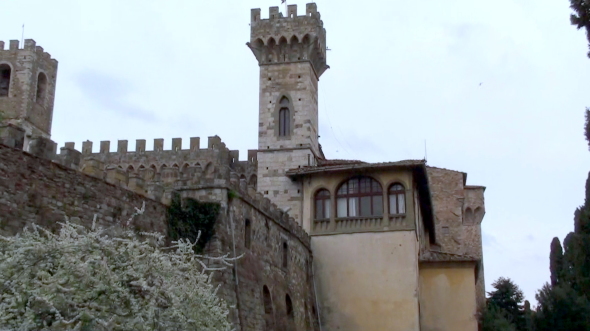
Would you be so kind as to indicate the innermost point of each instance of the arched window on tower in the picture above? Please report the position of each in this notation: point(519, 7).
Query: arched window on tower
point(284, 118)
point(359, 197)
point(397, 199)
point(41, 88)
point(4, 79)
point(322, 204)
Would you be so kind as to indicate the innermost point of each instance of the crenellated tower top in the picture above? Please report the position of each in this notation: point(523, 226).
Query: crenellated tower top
point(280, 39)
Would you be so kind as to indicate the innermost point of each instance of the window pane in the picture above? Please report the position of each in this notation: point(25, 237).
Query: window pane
point(353, 207)
point(353, 186)
point(393, 204)
point(319, 209)
point(287, 120)
point(327, 208)
point(402, 203)
point(365, 206)
point(342, 189)
point(341, 202)
point(376, 186)
point(377, 206)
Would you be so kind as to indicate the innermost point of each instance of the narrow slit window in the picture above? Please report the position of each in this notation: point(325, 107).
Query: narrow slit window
point(284, 118)
point(41, 88)
point(247, 233)
point(5, 73)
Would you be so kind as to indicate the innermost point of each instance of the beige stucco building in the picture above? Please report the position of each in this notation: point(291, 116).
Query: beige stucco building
point(395, 246)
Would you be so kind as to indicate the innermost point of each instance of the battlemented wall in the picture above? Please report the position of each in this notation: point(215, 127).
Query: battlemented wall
point(156, 172)
point(23, 106)
point(36, 190)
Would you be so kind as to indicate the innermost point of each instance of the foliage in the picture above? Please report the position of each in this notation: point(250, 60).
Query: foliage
point(556, 262)
point(190, 219)
point(561, 308)
point(87, 279)
point(508, 298)
point(581, 16)
point(495, 319)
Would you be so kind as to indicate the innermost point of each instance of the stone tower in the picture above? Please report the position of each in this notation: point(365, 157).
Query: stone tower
point(291, 53)
point(27, 88)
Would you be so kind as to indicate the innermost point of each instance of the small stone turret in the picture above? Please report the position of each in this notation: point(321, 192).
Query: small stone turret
point(27, 88)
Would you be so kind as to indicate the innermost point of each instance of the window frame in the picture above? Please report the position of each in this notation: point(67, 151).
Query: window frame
point(357, 196)
point(397, 193)
point(326, 201)
point(284, 117)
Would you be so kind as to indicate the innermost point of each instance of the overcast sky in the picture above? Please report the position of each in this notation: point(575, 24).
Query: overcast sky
point(497, 89)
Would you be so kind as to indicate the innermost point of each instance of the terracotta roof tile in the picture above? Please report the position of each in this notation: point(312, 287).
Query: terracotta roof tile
point(433, 256)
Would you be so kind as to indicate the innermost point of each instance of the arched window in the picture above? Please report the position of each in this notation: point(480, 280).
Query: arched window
point(397, 199)
point(268, 314)
point(290, 315)
point(284, 118)
point(247, 233)
point(285, 255)
point(41, 88)
point(359, 196)
point(4, 79)
point(322, 204)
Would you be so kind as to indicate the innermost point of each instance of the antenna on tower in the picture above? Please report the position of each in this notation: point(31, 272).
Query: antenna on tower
point(22, 37)
point(425, 152)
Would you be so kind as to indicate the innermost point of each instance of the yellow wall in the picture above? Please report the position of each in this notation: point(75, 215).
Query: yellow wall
point(367, 281)
point(447, 297)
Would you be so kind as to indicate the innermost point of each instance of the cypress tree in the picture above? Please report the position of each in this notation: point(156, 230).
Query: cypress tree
point(556, 262)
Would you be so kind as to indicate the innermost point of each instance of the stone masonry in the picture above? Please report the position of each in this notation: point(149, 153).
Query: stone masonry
point(27, 87)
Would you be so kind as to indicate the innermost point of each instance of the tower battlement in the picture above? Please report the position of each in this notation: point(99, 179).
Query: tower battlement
point(30, 46)
point(291, 38)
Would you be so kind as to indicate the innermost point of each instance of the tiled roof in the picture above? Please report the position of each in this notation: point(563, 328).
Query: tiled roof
point(433, 256)
point(336, 165)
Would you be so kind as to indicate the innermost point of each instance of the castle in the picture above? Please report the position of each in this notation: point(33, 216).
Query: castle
point(327, 244)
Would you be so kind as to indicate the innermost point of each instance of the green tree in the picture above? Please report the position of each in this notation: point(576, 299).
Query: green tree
point(556, 262)
point(508, 298)
point(581, 16)
point(561, 308)
point(495, 319)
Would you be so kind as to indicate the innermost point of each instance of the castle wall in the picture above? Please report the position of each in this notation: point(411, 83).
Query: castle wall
point(458, 212)
point(36, 190)
point(367, 281)
point(447, 297)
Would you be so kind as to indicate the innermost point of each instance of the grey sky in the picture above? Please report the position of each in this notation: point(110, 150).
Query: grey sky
point(402, 72)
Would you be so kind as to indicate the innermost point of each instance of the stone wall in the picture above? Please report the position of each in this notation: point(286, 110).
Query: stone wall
point(37, 190)
point(458, 211)
point(278, 256)
point(25, 105)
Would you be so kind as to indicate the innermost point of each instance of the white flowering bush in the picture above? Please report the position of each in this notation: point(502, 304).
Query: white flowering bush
point(86, 279)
